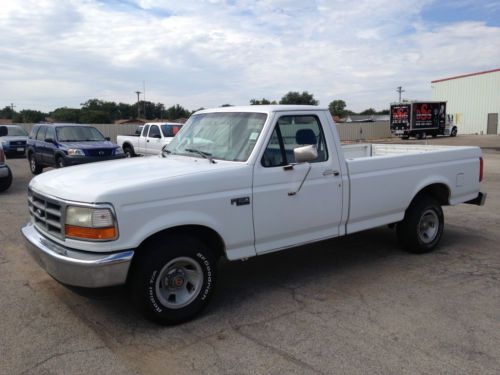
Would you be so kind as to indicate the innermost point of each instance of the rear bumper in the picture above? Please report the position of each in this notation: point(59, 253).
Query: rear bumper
point(74, 267)
point(479, 200)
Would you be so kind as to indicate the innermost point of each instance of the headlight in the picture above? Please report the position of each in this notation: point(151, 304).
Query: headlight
point(118, 151)
point(75, 152)
point(4, 143)
point(90, 223)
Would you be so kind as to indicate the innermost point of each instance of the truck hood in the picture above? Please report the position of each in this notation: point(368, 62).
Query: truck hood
point(105, 181)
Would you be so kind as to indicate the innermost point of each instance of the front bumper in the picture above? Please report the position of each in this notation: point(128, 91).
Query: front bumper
point(74, 267)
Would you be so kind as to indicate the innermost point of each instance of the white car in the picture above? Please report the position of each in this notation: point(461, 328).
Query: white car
point(236, 182)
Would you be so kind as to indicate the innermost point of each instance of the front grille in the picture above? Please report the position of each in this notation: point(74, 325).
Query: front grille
point(100, 152)
point(47, 214)
point(18, 143)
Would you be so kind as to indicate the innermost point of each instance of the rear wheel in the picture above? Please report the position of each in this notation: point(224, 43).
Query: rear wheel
point(129, 151)
point(35, 168)
point(454, 132)
point(422, 226)
point(6, 181)
point(173, 279)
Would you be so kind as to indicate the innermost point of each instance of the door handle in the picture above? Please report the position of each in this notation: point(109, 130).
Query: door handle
point(330, 172)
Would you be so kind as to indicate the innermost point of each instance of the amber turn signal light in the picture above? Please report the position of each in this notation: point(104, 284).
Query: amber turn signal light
point(74, 231)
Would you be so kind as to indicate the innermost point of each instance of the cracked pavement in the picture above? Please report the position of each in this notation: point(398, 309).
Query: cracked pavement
point(353, 305)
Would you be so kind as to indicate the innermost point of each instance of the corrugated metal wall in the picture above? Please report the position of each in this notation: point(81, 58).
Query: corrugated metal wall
point(348, 131)
point(470, 99)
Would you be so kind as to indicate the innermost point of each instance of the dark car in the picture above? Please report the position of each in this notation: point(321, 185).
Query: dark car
point(14, 142)
point(5, 172)
point(60, 145)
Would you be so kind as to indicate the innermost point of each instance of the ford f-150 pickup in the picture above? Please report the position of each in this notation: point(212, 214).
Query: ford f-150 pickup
point(150, 141)
point(236, 182)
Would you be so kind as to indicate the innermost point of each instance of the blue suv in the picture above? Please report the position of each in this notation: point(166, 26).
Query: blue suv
point(60, 145)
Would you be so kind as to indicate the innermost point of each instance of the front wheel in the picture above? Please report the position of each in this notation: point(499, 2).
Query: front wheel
point(453, 132)
point(173, 279)
point(60, 163)
point(35, 168)
point(422, 226)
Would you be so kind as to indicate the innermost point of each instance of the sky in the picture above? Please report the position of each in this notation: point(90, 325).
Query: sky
point(208, 53)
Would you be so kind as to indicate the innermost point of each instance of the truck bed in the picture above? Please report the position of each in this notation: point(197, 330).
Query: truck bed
point(384, 177)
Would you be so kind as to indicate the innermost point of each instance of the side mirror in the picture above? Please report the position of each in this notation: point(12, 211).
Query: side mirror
point(107, 138)
point(3, 131)
point(49, 140)
point(305, 153)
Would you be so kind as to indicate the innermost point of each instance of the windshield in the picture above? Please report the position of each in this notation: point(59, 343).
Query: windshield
point(16, 131)
point(221, 135)
point(169, 130)
point(78, 134)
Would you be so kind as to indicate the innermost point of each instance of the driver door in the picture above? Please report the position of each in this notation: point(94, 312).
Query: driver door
point(285, 216)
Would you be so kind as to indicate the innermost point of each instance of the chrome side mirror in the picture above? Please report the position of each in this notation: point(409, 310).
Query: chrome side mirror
point(305, 153)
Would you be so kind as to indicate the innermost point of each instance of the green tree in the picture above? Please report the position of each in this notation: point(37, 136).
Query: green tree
point(262, 101)
point(94, 117)
point(383, 112)
point(28, 116)
point(294, 97)
point(226, 105)
point(369, 111)
point(7, 112)
point(65, 114)
point(338, 108)
point(177, 111)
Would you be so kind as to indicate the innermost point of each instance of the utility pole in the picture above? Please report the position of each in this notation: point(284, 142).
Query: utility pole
point(12, 106)
point(144, 91)
point(138, 108)
point(400, 91)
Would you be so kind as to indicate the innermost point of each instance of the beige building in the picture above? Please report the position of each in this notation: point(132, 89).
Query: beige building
point(473, 100)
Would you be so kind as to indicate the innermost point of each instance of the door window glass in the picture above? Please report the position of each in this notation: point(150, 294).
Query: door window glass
point(154, 132)
point(40, 136)
point(291, 132)
point(145, 131)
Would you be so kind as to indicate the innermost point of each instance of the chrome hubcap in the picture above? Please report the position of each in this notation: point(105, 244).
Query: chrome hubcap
point(428, 226)
point(179, 282)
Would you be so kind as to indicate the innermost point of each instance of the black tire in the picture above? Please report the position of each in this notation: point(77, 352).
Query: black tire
point(6, 181)
point(129, 151)
point(454, 132)
point(161, 271)
point(60, 162)
point(35, 168)
point(434, 135)
point(422, 226)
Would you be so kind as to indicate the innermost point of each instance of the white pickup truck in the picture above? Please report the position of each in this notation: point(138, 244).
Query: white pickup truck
point(236, 182)
point(152, 138)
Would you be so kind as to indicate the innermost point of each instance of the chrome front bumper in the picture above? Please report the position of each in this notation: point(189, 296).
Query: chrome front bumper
point(74, 267)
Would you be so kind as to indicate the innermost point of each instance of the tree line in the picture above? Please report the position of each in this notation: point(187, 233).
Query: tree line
point(96, 111)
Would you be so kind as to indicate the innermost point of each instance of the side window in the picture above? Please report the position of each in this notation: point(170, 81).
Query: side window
point(145, 131)
point(50, 133)
point(154, 132)
point(291, 132)
point(33, 132)
point(40, 136)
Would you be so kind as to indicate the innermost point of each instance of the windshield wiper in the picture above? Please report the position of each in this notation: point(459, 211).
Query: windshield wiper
point(205, 155)
point(165, 151)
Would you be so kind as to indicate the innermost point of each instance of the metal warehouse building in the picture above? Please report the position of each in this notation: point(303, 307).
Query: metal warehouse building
point(473, 100)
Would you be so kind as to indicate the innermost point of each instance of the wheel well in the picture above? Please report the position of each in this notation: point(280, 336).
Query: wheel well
point(208, 236)
point(126, 144)
point(440, 192)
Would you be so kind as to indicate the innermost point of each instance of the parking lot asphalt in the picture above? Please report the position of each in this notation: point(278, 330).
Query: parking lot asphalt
point(355, 305)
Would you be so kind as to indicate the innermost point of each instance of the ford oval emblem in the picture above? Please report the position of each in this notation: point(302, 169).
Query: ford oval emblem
point(39, 212)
